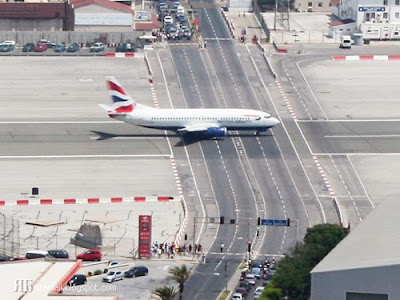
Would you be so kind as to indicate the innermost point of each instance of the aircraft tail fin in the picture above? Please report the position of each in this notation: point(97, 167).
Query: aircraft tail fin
point(121, 101)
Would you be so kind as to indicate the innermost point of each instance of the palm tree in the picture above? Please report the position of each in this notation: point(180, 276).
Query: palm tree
point(166, 292)
point(180, 275)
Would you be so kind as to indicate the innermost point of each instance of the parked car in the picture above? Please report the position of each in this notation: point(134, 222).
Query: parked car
point(58, 253)
point(113, 263)
point(60, 48)
point(37, 254)
point(125, 47)
point(77, 279)
point(168, 20)
point(112, 276)
point(6, 48)
point(97, 47)
point(237, 296)
point(29, 47)
point(258, 292)
point(90, 255)
point(136, 271)
point(40, 47)
point(48, 43)
point(8, 43)
point(73, 47)
point(4, 257)
point(242, 291)
point(245, 284)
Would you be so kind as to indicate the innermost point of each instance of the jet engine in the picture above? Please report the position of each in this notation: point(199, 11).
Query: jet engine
point(216, 131)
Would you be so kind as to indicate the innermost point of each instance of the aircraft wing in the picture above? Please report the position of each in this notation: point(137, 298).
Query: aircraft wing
point(197, 128)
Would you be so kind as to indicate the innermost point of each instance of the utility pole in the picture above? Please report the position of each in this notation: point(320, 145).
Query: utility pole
point(194, 237)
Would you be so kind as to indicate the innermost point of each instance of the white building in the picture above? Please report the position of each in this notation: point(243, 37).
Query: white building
point(375, 19)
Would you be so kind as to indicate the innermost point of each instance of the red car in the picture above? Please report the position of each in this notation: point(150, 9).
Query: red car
point(90, 255)
point(40, 47)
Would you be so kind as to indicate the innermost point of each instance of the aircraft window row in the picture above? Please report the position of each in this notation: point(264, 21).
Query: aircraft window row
point(198, 118)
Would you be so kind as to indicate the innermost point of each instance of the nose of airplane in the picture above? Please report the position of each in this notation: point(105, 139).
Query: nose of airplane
point(275, 121)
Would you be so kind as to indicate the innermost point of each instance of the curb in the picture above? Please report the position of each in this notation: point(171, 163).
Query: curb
point(365, 57)
point(119, 54)
point(89, 200)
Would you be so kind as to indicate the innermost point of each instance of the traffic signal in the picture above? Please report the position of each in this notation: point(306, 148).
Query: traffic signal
point(288, 222)
point(258, 221)
point(249, 247)
point(221, 220)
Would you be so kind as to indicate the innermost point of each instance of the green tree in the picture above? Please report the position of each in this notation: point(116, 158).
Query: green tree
point(180, 275)
point(293, 273)
point(166, 292)
point(271, 293)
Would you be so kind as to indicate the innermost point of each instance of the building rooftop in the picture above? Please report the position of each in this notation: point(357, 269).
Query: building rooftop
point(341, 22)
point(39, 279)
point(104, 3)
point(375, 242)
point(32, 10)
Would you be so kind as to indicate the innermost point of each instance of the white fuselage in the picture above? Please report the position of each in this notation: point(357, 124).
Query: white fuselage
point(175, 119)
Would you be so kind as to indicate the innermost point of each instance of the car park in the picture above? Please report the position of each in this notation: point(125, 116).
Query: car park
point(28, 47)
point(90, 255)
point(60, 48)
point(258, 292)
point(136, 271)
point(6, 48)
point(77, 279)
point(58, 253)
point(112, 276)
point(97, 47)
point(237, 296)
point(73, 47)
point(37, 254)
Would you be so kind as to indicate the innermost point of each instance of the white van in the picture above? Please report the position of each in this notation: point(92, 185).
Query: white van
point(37, 254)
point(180, 10)
point(345, 42)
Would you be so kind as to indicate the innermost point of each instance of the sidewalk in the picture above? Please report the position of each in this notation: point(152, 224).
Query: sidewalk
point(245, 22)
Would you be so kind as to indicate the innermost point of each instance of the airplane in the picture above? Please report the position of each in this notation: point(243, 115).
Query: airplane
point(211, 122)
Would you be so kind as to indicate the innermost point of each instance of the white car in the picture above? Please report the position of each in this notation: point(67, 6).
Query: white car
point(97, 47)
point(8, 43)
point(113, 263)
point(258, 292)
point(168, 20)
point(180, 10)
point(112, 276)
point(237, 296)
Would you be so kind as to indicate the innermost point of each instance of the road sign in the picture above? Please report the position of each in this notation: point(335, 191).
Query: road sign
point(272, 222)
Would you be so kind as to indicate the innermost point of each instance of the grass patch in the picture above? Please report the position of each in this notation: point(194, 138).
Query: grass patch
point(224, 295)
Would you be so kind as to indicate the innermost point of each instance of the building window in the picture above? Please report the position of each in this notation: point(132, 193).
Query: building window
point(385, 2)
point(396, 15)
point(397, 2)
point(367, 17)
point(385, 15)
point(309, 4)
point(396, 33)
point(330, 4)
point(319, 4)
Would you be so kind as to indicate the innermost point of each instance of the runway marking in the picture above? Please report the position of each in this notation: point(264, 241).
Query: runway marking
point(60, 122)
point(352, 120)
point(84, 156)
point(363, 136)
point(128, 137)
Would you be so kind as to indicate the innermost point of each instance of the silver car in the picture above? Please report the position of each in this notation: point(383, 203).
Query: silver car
point(112, 276)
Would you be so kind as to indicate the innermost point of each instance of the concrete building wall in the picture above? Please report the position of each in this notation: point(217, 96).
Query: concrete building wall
point(240, 5)
point(335, 285)
point(313, 5)
point(31, 24)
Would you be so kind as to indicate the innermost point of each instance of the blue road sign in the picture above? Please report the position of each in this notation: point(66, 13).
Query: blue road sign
point(271, 222)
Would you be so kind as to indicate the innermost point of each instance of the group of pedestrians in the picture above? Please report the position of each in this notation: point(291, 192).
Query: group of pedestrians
point(172, 249)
